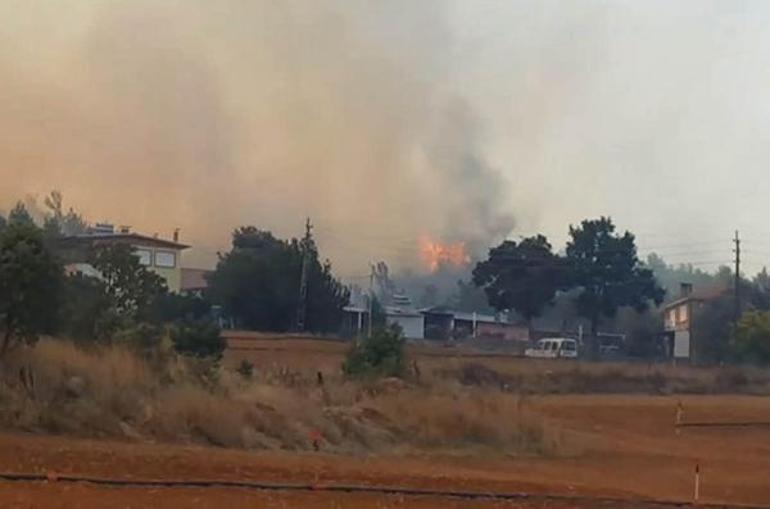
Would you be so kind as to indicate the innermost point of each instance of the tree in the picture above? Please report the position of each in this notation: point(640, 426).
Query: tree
point(711, 330)
point(606, 269)
point(198, 338)
point(132, 287)
point(379, 316)
point(87, 311)
point(382, 354)
point(523, 276)
point(258, 283)
point(29, 283)
point(751, 337)
point(20, 215)
point(670, 277)
point(59, 222)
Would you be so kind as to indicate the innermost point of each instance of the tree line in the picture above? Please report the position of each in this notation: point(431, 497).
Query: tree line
point(600, 268)
point(128, 303)
point(256, 284)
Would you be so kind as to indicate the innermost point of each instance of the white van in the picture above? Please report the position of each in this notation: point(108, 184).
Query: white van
point(553, 348)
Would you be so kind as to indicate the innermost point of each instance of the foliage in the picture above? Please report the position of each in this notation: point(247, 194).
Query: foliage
point(29, 283)
point(671, 276)
point(245, 369)
point(20, 215)
point(711, 330)
point(144, 337)
point(198, 338)
point(171, 307)
point(87, 311)
point(59, 222)
point(605, 266)
point(131, 286)
point(642, 331)
point(523, 276)
point(258, 283)
point(470, 298)
point(751, 337)
point(379, 317)
point(381, 354)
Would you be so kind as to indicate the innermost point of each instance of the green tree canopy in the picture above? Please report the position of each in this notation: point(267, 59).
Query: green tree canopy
point(29, 283)
point(131, 286)
point(751, 337)
point(523, 276)
point(258, 283)
point(606, 269)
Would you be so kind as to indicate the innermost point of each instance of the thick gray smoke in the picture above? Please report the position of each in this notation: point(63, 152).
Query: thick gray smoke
point(206, 115)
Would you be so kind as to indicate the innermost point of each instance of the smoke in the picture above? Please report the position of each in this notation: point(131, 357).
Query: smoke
point(207, 115)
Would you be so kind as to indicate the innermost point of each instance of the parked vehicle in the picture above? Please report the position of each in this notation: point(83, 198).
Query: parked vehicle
point(553, 348)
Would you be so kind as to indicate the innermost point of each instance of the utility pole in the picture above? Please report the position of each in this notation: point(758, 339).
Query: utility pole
point(737, 250)
point(371, 301)
point(302, 305)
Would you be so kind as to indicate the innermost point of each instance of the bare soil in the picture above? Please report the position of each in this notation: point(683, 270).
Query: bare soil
point(627, 447)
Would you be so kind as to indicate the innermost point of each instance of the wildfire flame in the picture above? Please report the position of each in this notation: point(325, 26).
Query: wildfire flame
point(434, 254)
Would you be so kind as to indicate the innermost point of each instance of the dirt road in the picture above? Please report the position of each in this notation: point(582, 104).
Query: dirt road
point(623, 447)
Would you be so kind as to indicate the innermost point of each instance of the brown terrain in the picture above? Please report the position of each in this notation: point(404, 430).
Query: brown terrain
point(616, 450)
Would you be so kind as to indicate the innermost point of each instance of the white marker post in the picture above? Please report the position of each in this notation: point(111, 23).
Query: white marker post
point(696, 495)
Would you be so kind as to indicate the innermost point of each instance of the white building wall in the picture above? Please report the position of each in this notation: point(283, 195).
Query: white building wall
point(682, 344)
point(412, 325)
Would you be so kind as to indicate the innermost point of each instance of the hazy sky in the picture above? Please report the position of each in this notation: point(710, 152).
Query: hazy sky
point(466, 120)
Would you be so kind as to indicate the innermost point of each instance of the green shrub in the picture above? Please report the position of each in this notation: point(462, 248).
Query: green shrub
point(141, 336)
point(246, 369)
point(751, 338)
point(198, 338)
point(382, 354)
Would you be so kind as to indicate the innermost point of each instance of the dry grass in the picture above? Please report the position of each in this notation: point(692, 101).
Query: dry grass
point(457, 405)
point(524, 376)
point(60, 388)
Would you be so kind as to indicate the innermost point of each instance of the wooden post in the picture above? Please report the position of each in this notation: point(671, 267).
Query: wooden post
point(696, 494)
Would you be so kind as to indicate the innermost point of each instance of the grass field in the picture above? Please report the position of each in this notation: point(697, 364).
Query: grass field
point(469, 421)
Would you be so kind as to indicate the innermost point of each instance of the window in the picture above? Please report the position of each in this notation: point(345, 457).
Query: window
point(568, 346)
point(145, 256)
point(165, 259)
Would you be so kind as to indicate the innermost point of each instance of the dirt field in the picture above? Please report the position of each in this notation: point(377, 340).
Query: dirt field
point(625, 446)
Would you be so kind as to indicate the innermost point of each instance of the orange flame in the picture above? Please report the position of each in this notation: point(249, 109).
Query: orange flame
point(434, 254)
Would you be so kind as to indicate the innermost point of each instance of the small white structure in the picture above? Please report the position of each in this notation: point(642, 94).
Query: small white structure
point(410, 321)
